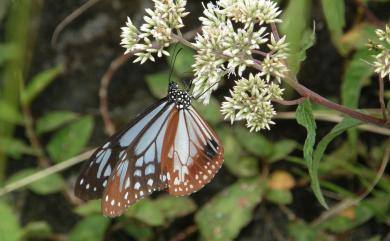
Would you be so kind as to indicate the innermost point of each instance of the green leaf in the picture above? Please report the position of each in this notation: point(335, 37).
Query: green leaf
point(334, 11)
point(49, 184)
point(305, 118)
point(39, 83)
point(37, 230)
point(138, 231)
point(232, 150)
point(184, 60)
point(9, 113)
point(253, 142)
point(279, 196)
point(356, 73)
point(281, 149)
point(15, 148)
point(173, 207)
point(91, 228)
point(70, 140)
point(53, 120)
point(9, 224)
point(209, 112)
point(297, 31)
point(147, 212)
point(7, 51)
point(89, 208)
point(302, 232)
point(158, 83)
point(346, 124)
point(228, 212)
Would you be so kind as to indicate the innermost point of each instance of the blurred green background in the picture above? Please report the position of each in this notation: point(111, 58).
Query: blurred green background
point(49, 113)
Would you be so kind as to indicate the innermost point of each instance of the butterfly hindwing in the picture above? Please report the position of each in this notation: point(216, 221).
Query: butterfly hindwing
point(194, 154)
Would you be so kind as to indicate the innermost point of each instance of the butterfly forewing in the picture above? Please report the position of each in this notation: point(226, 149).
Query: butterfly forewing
point(97, 170)
point(194, 154)
point(138, 173)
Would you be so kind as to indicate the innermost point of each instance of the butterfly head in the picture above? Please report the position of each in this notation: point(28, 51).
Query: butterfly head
point(181, 98)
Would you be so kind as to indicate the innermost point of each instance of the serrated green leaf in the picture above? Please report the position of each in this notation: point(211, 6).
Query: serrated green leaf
point(209, 112)
point(253, 142)
point(49, 184)
point(281, 149)
point(39, 83)
point(147, 212)
point(295, 28)
point(15, 148)
point(70, 140)
point(89, 208)
point(9, 224)
point(334, 12)
point(37, 230)
point(279, 196)
point(305, 118)
point(91, 228)
point(9, 113)
point(173, 207)
point(228, 212)
point(53, 120)
point(184, 60)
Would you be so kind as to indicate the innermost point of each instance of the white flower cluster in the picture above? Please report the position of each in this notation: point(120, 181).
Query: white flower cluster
point(251, 101)
point(163, 20)
point(231, 31)
point(382, 59)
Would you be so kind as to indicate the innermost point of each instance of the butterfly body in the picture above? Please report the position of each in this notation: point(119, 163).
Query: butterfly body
point(169, 146)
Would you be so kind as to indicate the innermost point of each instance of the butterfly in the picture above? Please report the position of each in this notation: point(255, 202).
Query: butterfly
point(168, 146)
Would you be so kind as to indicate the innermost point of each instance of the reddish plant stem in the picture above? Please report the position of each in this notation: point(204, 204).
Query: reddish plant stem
point(290, 102)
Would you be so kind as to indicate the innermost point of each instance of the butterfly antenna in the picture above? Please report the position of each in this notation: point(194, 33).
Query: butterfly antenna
point(173, 61)
point(204, 92)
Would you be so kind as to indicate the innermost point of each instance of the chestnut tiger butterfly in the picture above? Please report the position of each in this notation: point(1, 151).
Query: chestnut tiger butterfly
point(168, 146)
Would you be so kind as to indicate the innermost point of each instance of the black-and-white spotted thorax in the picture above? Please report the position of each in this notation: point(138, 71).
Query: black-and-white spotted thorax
point(181, 98)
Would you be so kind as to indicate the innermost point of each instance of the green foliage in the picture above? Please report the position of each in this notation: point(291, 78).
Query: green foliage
point(305, 118)
point(91, 228)
point(356, 74)
point(253, 142)
point(277, 196)
point(299, 35)
point(53, 120)
point(39, 83)
point(37, 230)
point(334, 11)
point(9, 225)
point(15, 148)
point(140, 232)
point(223, 217)
point(158, 83)
point(89, 208)
point(158, 212)
point(9, 113)
point(300, 231)
point(71, 139)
